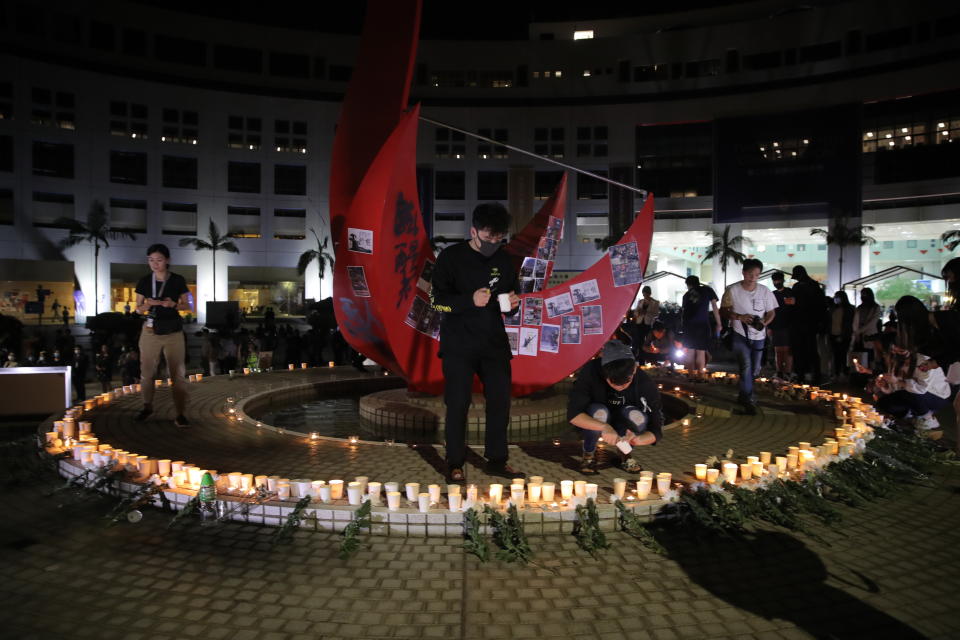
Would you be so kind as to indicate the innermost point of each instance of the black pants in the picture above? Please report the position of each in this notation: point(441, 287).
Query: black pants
point(806, 356)
point(494, 374)
point(839, 346)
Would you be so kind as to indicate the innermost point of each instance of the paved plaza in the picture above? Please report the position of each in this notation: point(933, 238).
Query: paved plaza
point(888, 570)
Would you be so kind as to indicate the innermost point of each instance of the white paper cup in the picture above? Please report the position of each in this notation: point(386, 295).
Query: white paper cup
point(619, 487)
point(746, 470)
point(643, 488)
point(315, 488)
point(646, 474)
point(423, 501)
point(580, 488)
point(374, 489)
point(504, 300)
point(260, 481)
point(453, 490)
point(434, 491)
point(324, 493)
point(283, 490)
point(535, 480)
point(700, 471)
point(534, 490)
point(355, 493)
point(363, 480)
point(413, 491)
point(516, 495)
point(756, 469)
point(393, 500)
point(566, 489)
point(730, 472)
point(591, 491)
point(391, 486)
point(163, 467)
point(663, 484)
point(712, 474)
point(546, 491)
point(765, 457)
point(336, 489)
point(456, 501)
point(233, 478)
point(272, 483)
point(304, 486)
point(496, 493)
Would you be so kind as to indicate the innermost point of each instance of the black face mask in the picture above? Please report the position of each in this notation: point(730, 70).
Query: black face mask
point(487, 248)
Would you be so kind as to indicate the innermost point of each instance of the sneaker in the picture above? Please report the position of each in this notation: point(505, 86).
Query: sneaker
point(927, 422)
point(502, 470)
point(181, 421)
point(144, 414)
point(588, 463)
point(630, 465)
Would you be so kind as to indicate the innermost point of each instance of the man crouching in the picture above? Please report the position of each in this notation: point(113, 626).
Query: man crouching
point(614, 400)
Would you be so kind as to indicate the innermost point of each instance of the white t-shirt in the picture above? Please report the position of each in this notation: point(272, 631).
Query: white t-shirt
point(754, 303)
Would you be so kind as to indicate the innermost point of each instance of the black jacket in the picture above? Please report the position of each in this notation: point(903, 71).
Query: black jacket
point(591, 387)
point(466, 329)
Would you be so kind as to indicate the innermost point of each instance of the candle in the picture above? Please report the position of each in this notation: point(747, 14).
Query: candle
point(363, 482)
point(643, 487)
point(752, 459)
point(566, 489)
point(580, 488)
point(533, 492)
point(355, 493)
point(546, 491)
point(456, 501)
point(591, 490)
point(765, 457)
point(782, 464)
point(290, 367)
point(423, 502)
point(453, 489)
point(272, 483)
point(283, 490)
point(712, 474)
point(233, 480)
point(663, 482)
point(315, 487)
point(330, 364)
point(730, 472)
point(374, 488)
point(519, 481)
point(496, 493)
point(303, 365)
point(536, 480)
point(393, 498)
point(336, 489)
point(325, 493)
point(792, 460)
point(700, 471)
point(516, 495)
point(804, 445)
point(619, 487)
point(391, 486)
point(472, 493)
point(757, 469)
point(433, 491)
point(413, 491)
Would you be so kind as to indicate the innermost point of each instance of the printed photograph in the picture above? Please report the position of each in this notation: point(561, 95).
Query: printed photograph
point(541, 268)
point(559, 305)
point(555, 228)
point(512, 320)
point(528, 341)
point(625, 264)
point(426, 277)
point(526, 285)
point(570, 333)
point(426, 319)
point(546, 249)
point(585, 291)
point(434, 329)
point(417, 311)
point(360, 240)
point(538, 285)
point(528, 267)
point(550, 338)
point(532, 311)
point(592, 319)
point(358, 282)
point(513, 337)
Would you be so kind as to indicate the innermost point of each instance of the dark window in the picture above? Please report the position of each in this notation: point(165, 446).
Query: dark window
point(237, 58)
point(102, 36)
point(179, 172)
point(6, 206)
point(818, 52)
point(30, 20)
point(948, 26)
point(733, 61)
point(540, 134)
point(290, 180)
point(854, 41)
point(235, 122)
point(583, 133)
point(134, 42)
point(491, 185)
point(590, 188)
point(545, 183)
point(42, 96)
point(899, 37)
point(767, 60)
point(53, 207)
point(180, 50)
point(449, 217)
point(651, 72)
point(6, 153)
point(171, 115)
point(53, 160)
point(243, 177)
point(450, 185)
point(599, 133)
point(290, 213)
point(583, 150)
point(340, 73)
point(128, 168)
point(66, 29)
point(118, 109)
point(243, 211)
point(183, 207)
point(289, 65)
point(319, 68)
point(702, 68)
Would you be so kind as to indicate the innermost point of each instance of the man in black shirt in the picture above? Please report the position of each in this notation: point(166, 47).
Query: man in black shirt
point(807, 318)
point(614, 400)
point(467, 280)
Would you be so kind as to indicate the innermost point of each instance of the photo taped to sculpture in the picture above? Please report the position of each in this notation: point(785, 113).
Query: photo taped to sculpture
point(533, 311)
point(538, 285)
point(559, 304)
point(418, 309)
point(592, 319)
point(625, 264)
point(526, 285)
point(360, 240)
point(513, 337)
point(555, 229)
point(540, 270)
point(585, 292)
point(511, 320)
point(528, 268)
point(528, 341)
point(571, 330)
point(358, 282)
point(426, 276)
point(550, 338)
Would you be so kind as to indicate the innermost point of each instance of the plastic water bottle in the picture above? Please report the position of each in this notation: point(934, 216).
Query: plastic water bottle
point(207, 496)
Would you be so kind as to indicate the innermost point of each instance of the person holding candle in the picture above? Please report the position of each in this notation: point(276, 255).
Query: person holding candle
point(614, 400)
point(472, 281)
point(160, 294)
point(750, 307)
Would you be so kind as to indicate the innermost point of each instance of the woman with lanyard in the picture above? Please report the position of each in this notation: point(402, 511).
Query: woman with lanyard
point(160, 294)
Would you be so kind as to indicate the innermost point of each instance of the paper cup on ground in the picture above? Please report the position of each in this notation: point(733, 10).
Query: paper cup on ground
point(756, 469)
point(580, 488)
point(393, 500)
point(260, 481)
point(535, 480)
point(663, 482)
point(643, 488)
point(163, 467)
point(519, 481)
point(355, 493)
point(646, 474)
point(233, 479)
point(496, 493)
point(516, 495)
point(730, 472)
point(272, 483)
point(546, 491)
point(566, 489)
point(434, 491)
point(304, 485)
point(391, 486)
point(534, 491)
point(325, 493)
point(423, 501)
point(315, 488)
point(746, 470)
point(591, 491)
point(413, 491)
point(456, 501)
point(765, 457)
point(336, 489)
point(619, 487)
point(700, 471)
point(283, 490)
point(453, 490)
point(363, 480)
point(373, 490)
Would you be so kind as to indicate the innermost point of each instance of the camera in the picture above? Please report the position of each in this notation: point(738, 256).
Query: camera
point(757, 324)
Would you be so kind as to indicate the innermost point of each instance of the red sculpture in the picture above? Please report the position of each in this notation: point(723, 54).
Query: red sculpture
point(384, 260)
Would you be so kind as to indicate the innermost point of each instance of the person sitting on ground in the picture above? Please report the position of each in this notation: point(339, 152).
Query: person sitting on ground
point(912, 389)
point(659, 345)
point(614, 400)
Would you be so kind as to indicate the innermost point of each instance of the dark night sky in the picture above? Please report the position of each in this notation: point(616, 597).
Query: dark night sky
point(442, 19)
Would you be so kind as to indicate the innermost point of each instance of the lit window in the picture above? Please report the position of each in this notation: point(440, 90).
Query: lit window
point(583, 35)
point(556, 74)
point(586, 73)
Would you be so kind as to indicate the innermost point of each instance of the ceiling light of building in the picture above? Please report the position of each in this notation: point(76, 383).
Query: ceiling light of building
point(586, 34)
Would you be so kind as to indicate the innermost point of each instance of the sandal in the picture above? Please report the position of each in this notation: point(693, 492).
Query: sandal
point(456, 475)
point(631, 466)
point(588, 464)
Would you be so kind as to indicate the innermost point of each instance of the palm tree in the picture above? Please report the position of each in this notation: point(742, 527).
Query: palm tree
point(213, 242)
point(843, 234)
point(950, 239)
point(96, 230)
point(320, 254)
point(726, 249)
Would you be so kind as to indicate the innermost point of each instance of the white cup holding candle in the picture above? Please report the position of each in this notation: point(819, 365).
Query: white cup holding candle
point(746, 471)
point(363, 480)
point(260, 481)
point(233, 480)
point(336, 489)
point(643, 487)
point(283, 490)
point(423, 501)
point(496, 493)
point(472, 493)
point(580, 488)
point(374, 489)
point(663, 482)
point(433, 491)
point(765, 457)
point(590, 490)
point(453, 489)
point(272, 483)
point(757, 469)
point(547, 490)
point(804, 445)
point(325, 493)
point(730, 472)
point(534, 490)
point(413, 491)
point(391, 486)
point(619, 487)
point(782, 464)
point(314, 488)
point(455, 500)
point(355, 493)
point(535, 480)
point(773, 470)
point(516, 495)
point(646, 474)
point(163, 467)
point(700, 471)
point(393, 500)
point(752, 459)
point(792, 460)
point(566, 489)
